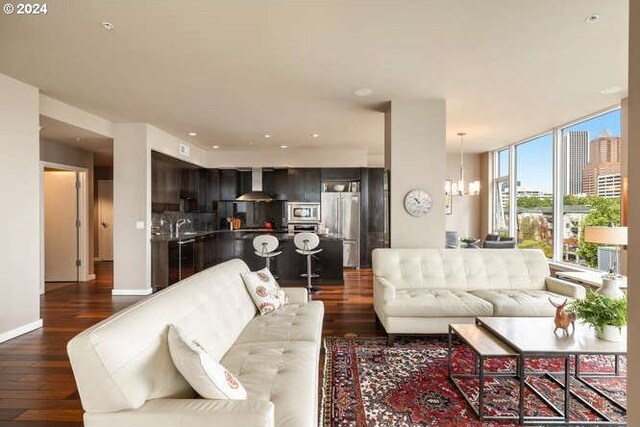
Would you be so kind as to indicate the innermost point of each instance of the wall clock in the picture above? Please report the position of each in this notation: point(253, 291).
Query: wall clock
point(417, 202)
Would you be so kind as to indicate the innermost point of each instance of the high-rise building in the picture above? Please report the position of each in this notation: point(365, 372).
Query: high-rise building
point(599, 175)
point(576, 144)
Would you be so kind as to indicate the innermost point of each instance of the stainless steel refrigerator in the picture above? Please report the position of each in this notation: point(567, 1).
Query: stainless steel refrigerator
point(341, 214)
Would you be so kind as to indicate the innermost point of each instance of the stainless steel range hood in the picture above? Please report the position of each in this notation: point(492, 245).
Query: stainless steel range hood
point(256, 194)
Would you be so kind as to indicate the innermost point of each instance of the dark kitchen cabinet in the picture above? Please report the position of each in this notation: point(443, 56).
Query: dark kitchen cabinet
point(209, 192)
point(371, 213)
point(341, 174)
point(229, 184)
point(165, 183)
point(245, 182)
point(304, 185)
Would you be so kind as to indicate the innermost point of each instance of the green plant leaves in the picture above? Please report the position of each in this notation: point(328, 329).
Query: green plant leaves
point(598, 310)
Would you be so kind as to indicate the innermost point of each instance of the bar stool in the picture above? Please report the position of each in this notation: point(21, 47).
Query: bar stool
point(306, 244)
point(265, 246)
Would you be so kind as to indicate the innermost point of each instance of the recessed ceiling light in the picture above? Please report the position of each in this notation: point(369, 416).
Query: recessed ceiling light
point(363, 91)
point(315, 135)
point(107, 26)
point(591, 19)
point(215, 147)
point(267, 135)
point(284, 146)
point(192, 134)
point(611, 90)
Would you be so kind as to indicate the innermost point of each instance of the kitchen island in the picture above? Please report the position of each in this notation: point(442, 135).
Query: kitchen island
point(176, 258)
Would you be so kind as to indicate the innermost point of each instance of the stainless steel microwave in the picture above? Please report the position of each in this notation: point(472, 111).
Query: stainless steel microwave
point(303, 212)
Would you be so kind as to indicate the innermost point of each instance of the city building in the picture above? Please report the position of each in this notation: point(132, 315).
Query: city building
point(604, 161)
point(576, 144)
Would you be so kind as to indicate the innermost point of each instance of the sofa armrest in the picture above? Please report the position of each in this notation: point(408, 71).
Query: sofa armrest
point(189, 412)
point(383, 289)
point(297, 295)
point(564, 287)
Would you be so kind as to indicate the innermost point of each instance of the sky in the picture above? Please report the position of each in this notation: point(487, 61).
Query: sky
point(534, 159)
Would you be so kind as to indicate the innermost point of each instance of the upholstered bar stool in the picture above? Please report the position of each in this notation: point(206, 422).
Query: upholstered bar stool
point(306, 244)
point(265, 246)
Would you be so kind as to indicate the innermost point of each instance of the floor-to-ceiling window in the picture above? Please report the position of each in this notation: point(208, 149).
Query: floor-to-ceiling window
point(592, 185)
point(501, 194)
point(562, 181)
point(534, 194)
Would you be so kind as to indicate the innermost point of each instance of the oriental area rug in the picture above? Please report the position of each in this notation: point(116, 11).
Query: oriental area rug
point(369, 383)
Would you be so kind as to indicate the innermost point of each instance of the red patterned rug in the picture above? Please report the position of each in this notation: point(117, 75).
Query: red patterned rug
point(369, 383)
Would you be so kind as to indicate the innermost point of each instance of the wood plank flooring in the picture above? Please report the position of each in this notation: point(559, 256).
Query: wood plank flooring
point(37, 388)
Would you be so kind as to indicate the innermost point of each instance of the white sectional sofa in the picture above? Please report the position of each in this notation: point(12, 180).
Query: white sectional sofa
point(126, 377)
point(422, 291)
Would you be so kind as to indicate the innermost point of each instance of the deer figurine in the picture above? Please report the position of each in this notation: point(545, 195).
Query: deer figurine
point(563, 318)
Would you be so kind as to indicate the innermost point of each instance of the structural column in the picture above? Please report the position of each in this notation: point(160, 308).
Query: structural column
point(131, 209)
point(633, 123)
point(415, 155)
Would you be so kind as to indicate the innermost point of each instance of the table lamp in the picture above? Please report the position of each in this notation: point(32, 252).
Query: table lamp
point(614, 236)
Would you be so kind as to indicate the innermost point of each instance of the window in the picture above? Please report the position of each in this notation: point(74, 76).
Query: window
point(534, 194)
point(501, 194)
point(592, 185)
point(585, 190)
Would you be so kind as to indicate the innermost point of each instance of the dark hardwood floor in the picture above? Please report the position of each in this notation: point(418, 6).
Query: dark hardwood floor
point(36, 383)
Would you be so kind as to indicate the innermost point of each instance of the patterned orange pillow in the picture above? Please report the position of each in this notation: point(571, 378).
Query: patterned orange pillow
point(267, 295)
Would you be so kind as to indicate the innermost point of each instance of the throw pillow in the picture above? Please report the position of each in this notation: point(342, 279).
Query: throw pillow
point(207, 377)
point(264, 290)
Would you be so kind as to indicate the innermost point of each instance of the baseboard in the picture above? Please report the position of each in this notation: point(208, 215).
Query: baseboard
point(131, 292)
point(21, 330)
point(90, 277)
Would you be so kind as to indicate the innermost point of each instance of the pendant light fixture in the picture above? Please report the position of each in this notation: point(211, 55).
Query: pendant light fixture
point(459, 188)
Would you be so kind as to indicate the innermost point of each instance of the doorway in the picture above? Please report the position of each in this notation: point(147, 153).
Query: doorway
point(105, 220)
point(64, 215)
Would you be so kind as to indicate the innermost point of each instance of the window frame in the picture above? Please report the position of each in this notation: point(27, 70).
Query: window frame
point(558, 171)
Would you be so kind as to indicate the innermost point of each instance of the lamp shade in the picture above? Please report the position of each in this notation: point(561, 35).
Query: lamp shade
point(606, 235)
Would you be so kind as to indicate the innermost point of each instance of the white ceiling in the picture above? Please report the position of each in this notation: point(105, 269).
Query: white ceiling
point(73, 136)
point(233, 70)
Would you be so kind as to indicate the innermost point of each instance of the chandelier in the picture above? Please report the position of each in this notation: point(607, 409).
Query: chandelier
point(460, 188)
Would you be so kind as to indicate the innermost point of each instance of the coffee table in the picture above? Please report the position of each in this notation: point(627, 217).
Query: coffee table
point(533, 337)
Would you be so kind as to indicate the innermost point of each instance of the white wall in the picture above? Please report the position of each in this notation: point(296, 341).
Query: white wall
point(291, 157)
point(132, 204)
point(465, 218)
point(20, 216)
point(415, 146)
point(634, 219)
point(74, 116)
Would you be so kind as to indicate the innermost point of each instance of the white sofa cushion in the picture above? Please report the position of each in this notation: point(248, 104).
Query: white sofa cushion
point(464, 269)
point(436, 303)
point(296, 322)
point(282, 372)
point(264, 290)
point(521, 303)
point(209, 378)
point(128, 354)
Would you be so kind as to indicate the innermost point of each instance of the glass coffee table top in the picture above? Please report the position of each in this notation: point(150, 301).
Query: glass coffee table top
point(535, 335)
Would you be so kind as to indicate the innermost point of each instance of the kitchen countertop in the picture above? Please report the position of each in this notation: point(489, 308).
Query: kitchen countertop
point(243, 234)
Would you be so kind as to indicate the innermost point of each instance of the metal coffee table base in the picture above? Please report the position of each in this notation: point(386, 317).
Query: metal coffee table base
point(470, 336)
point(486, 345)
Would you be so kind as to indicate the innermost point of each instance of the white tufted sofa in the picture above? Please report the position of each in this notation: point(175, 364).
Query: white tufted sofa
point(125, 375)
point(422, 291)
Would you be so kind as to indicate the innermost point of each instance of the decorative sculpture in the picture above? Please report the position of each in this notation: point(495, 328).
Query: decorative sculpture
point(563, 318)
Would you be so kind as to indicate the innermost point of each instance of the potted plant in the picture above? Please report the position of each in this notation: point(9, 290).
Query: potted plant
point(608, 316)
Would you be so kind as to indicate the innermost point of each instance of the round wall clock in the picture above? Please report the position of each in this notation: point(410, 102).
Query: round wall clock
point(417, 202)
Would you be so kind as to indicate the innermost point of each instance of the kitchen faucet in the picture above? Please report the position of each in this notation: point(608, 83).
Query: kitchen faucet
point(180, 223)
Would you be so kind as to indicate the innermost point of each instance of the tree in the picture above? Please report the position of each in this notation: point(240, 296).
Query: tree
point(605, 212)
point(537, 244)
